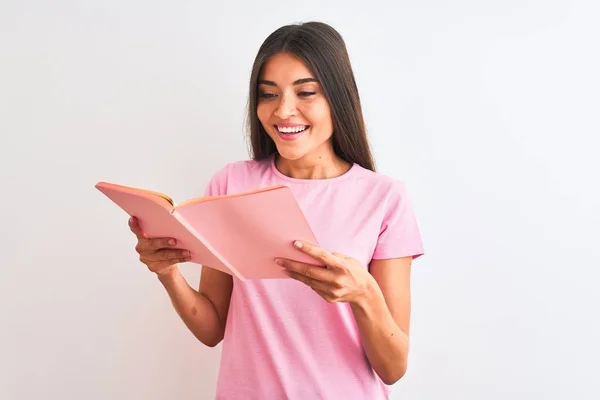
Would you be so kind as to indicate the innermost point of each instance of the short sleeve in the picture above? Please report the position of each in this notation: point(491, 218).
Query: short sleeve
point(399, 235)
point(218, 183)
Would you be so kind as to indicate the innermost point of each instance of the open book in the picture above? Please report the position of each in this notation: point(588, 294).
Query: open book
point(240, 234)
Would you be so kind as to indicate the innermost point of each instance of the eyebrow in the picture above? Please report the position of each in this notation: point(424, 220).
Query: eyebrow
point(296, 82)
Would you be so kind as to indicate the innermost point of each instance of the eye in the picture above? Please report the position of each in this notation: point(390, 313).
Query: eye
point(306, 94)
point(263, 95)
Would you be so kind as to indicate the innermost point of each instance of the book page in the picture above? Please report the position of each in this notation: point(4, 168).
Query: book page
point(230, 195)
point(249, 231)
point(154, 212)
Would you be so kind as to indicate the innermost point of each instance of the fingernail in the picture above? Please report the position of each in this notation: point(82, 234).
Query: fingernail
point(279, 262)
point(298, 244)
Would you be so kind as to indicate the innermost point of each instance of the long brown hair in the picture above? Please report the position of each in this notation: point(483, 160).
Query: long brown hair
point(322, 49)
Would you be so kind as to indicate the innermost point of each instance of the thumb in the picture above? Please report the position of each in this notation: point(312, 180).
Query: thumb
point(135, 228)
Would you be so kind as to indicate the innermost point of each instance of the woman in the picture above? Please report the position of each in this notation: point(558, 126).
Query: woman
point(335, 333)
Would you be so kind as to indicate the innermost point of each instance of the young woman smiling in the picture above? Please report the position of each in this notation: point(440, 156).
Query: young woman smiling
point(340, 332)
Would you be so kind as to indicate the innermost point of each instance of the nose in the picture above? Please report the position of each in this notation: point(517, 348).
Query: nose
point(286, 107)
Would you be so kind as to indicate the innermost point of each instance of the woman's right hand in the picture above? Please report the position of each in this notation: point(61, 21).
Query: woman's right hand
point(160, 255)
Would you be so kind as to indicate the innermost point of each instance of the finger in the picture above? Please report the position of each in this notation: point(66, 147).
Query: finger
point(164, 263)
point(307, 270)
point(156, 266)
point(173, 254)
point(319, 254)
point(325, 295)
point(154, 245)
point(164, 255)
point(323, 289)
point(161, 243)
point(340, 255)
point(165, 258)
point(316, 285)
point(135, 228)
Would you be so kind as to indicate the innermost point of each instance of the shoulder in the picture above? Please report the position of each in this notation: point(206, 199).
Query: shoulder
point(234, 173)
point(240, 169)
point(383, 186)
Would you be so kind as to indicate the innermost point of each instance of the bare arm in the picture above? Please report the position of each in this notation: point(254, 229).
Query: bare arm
point(383, 318)
point(380, 301)
point(204, 312)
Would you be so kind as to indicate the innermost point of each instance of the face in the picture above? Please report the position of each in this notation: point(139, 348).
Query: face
point(292, 108)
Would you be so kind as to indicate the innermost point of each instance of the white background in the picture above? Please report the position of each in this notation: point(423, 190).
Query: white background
point(488, 110)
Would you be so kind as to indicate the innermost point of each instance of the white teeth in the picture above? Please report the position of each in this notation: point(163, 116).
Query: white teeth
point(294, 129)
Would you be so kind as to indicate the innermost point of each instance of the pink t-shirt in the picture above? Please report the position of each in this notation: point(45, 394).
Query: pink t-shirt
point(282, 340)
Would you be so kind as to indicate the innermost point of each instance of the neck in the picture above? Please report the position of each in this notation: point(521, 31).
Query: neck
point(321, 166)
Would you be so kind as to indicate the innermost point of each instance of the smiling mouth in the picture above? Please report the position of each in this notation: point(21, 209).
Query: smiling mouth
point(290, 130)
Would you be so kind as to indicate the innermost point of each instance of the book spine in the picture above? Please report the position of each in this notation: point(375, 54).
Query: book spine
point(201, 238)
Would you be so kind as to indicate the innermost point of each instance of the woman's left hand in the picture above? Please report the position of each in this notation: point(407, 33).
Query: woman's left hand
point(343, 279)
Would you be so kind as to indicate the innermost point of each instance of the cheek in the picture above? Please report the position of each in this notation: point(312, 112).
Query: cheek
point(263, 114)
point(321, 114)
point(260, 112)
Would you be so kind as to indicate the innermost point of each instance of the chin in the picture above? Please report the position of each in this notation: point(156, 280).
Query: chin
point(291, 154)
point(290, 150)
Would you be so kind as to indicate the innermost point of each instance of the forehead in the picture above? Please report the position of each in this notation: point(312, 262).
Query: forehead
point(285, 68)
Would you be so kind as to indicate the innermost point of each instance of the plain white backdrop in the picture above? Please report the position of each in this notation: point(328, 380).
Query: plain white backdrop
point(488, 110)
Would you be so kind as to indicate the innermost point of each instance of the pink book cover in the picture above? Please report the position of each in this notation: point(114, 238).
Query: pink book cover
point(240, 234)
